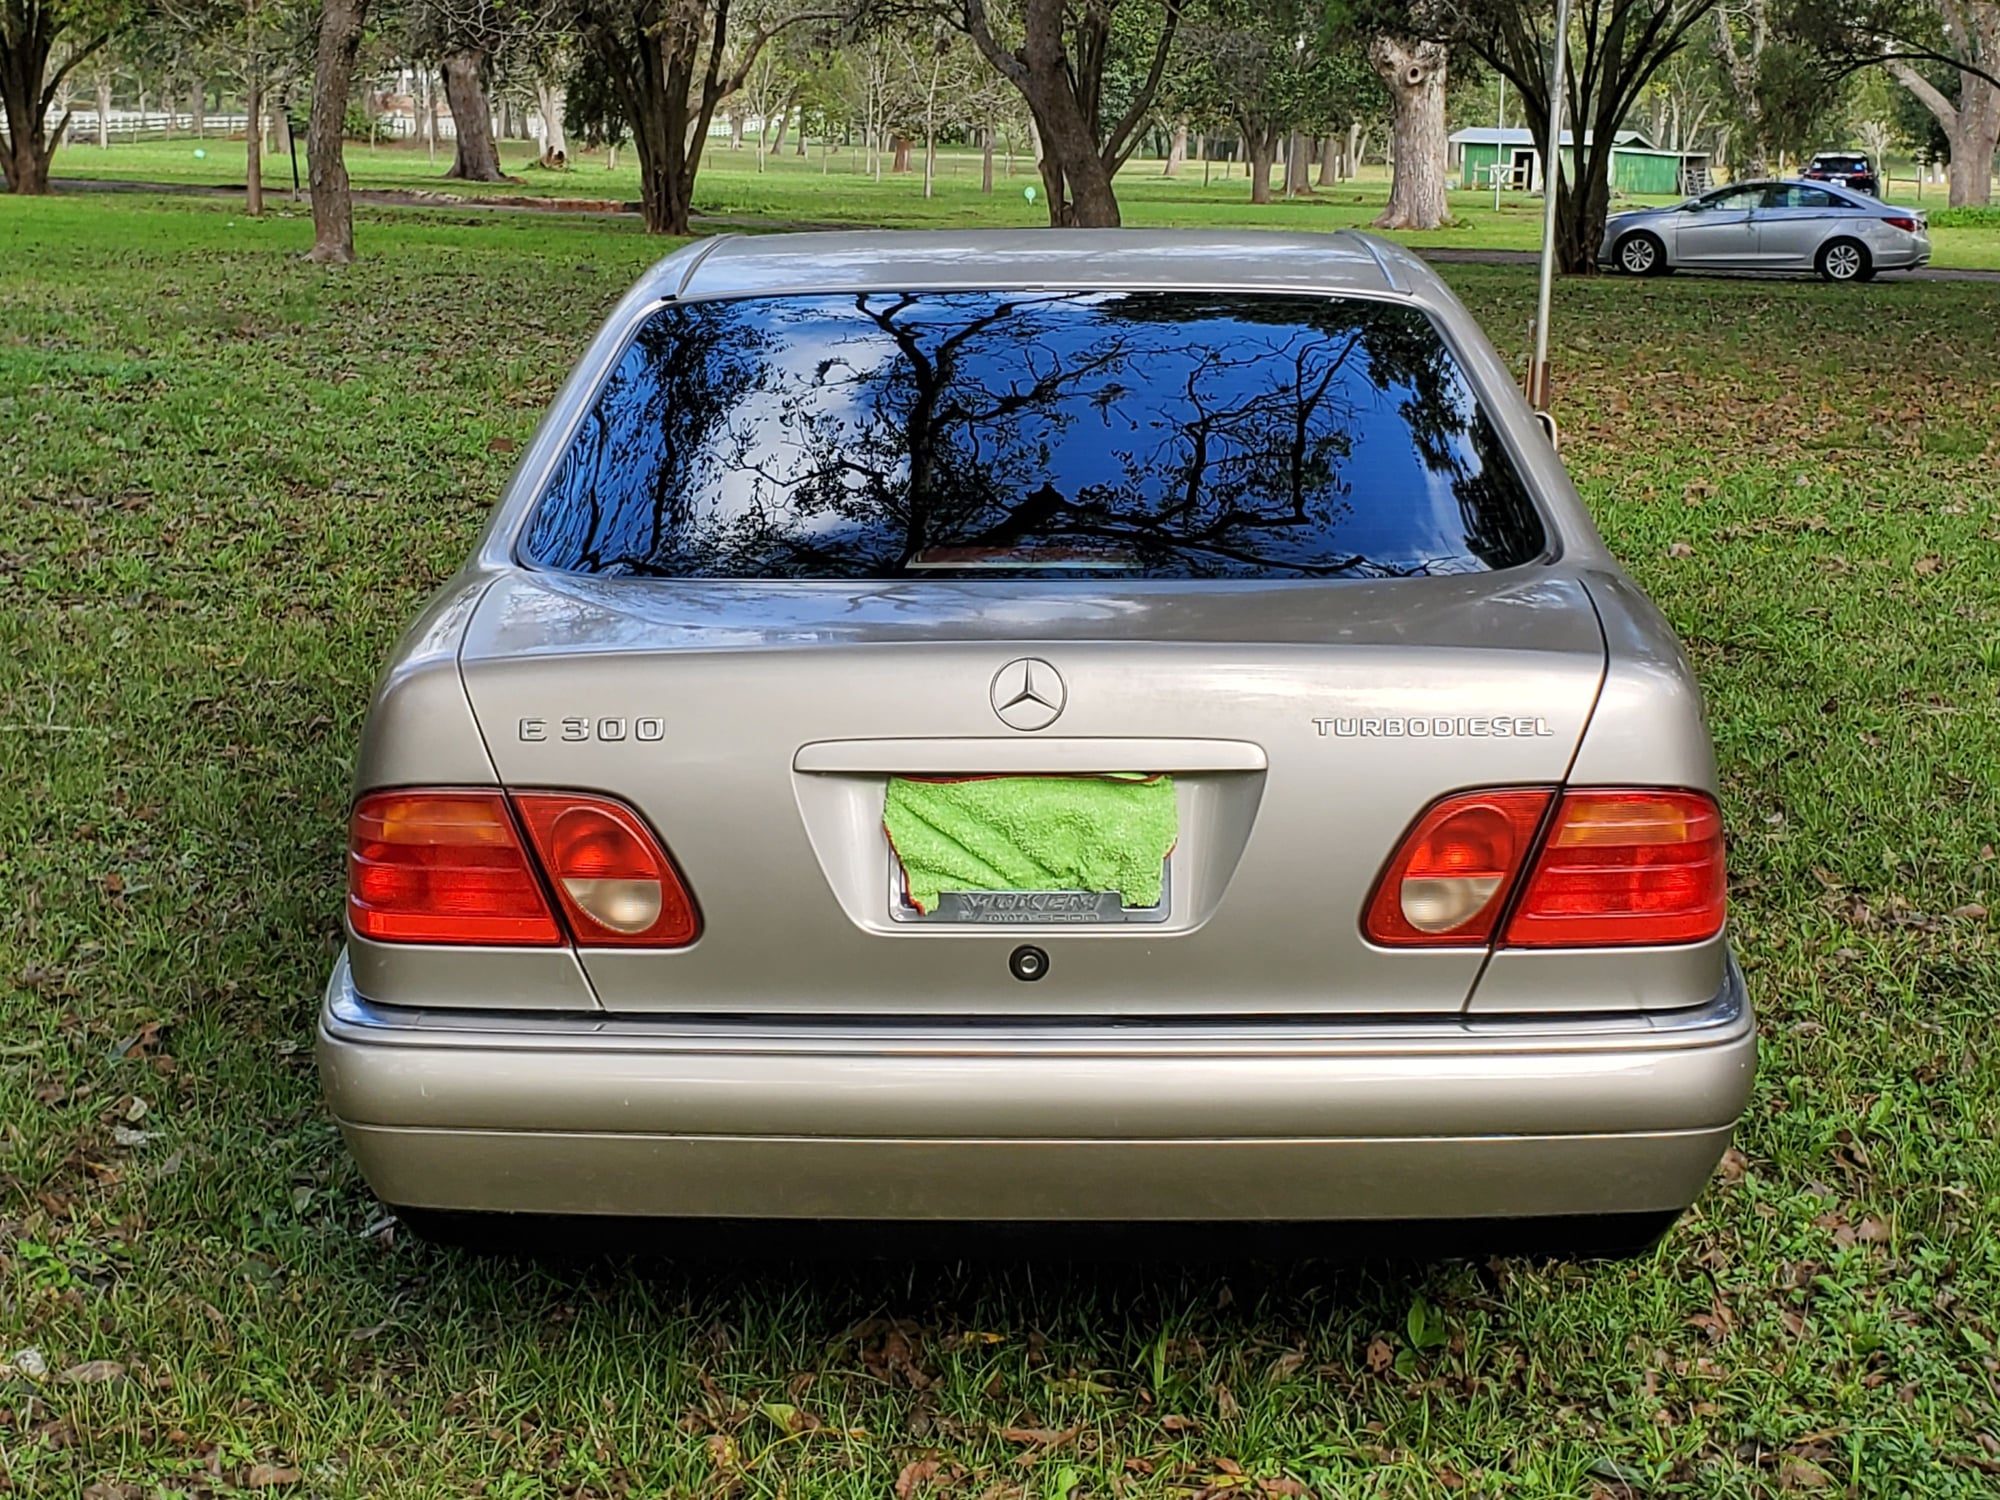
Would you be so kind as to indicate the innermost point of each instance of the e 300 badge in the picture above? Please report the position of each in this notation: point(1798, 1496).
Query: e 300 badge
point(610, 729)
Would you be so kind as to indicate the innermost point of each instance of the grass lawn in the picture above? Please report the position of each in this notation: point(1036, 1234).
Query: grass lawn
point(836, 191)
point(226, 480)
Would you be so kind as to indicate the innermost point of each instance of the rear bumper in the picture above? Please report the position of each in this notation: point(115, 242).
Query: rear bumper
point(952, 1120)
point(1907, 254)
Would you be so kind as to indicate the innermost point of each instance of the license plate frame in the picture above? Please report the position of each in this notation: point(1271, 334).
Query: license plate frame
point(1026, 908)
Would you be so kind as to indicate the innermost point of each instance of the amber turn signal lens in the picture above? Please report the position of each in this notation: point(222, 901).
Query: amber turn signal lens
point(443, 867)
point(1625, 868)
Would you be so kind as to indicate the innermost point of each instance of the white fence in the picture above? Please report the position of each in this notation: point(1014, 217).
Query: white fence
point(131, 123)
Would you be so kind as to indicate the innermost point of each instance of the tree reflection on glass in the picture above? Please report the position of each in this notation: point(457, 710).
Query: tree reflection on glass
point(978, 434)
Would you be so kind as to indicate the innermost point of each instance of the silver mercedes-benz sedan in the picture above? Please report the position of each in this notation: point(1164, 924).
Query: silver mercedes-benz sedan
point(1039, 726)
point(1770, 226)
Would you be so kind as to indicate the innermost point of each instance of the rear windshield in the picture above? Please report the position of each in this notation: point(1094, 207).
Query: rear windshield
point(1841, 163)
point(1035, 433)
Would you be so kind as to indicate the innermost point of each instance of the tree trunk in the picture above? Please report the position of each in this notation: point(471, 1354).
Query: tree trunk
point(900, 144)
point(1298, 167)
point(1329, 160)
point(1972, 128)
point(1414, 72)
point(1740, 69)
point(1080, 149)
point(737, 120)
point(27, 143)
point(167, 111)
point(551, 100)
point(1176, 149)
point(198, 108)
point(668, 82)
point(104, 111)
point(340, 25)
point(784, 122)
point(477, 158)
point(800, 149)
point(1260, 145)
point(986, 160)
point(253, 142)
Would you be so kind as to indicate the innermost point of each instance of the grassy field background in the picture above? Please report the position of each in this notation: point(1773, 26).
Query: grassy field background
point(836, 190)
point(226, 480)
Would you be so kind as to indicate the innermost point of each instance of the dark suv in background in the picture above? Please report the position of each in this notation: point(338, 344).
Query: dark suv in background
point(1844, 169)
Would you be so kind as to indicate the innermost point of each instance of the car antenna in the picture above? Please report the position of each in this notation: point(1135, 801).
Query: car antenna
point(1538, 363)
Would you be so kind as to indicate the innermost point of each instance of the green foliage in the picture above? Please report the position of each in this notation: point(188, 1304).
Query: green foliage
point(1272, 66)
point(358, 124)
point(1973, 217)
point(1797, 105)
point(593, 113)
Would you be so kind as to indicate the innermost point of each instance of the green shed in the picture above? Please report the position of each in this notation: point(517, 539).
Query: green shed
point(1638, 167)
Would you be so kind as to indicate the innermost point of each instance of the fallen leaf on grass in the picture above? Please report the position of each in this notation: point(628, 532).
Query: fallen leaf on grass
point(269, 1477)
point(501, 445)
point(1680, 549)
point(1798, 1474)
point(790, 1418)
point(1044, 1437)
point(93, 1372)
point(1714, 1323)
point(1734, 1164)
point(1179, 1424)
point(1380, 1356)
point(1225, 1403)
point(915, 1473)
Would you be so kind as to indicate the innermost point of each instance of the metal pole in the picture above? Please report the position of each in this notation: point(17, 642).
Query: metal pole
point(1538, 366)
point(1500, 146)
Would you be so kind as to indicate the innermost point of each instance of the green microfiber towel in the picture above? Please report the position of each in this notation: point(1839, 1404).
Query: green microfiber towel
point(1032, 833)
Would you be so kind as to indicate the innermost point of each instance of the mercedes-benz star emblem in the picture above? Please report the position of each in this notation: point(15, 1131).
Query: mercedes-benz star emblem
point(1028, 694)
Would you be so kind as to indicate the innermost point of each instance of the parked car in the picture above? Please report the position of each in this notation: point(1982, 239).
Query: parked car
point(1038, 726)
point(1769, 226)
point(1844, 169)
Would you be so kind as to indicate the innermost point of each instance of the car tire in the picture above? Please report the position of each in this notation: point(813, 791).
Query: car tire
point(1844, 260)
point(1641, 254)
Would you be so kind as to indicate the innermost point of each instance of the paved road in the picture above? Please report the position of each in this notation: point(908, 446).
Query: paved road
point(502, 203)
point(1454, 255)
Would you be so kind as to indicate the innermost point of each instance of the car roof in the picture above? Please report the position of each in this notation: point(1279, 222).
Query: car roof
point(1833, 188)
point(1341, 261)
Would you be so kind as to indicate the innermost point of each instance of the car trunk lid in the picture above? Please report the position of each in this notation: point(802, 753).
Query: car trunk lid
point(1305, 726)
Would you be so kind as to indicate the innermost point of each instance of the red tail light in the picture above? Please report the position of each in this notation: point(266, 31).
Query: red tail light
point(1625, 868)
point(1450, 880)
point(452, 867)
point(1612, 868)
point(616, 884)
point(1902, 223)
point(443, 867)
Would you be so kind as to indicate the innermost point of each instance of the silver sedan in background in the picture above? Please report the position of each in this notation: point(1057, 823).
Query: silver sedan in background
point(1769, 226)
